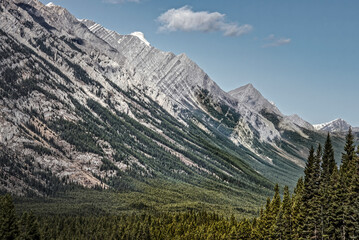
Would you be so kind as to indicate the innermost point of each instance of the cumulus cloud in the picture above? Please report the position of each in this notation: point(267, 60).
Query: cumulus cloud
point(185, 19)
point(120, 1)
point(276, 42)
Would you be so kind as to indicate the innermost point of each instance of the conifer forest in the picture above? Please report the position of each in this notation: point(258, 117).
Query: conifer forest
point(323, 205)
point(111, 129)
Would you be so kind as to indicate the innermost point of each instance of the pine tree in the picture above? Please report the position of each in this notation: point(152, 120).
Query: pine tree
point(259, 224)
point(311, 197)
point(349, 153)
point(308, 194)
point(352, 210)
point(308, 171)
point(335, 208)
point(275, 203)
point(316, 206)
point(266, 222)
point(327, 168)
point(8, 221)
point(347, 174)
point(284, 220)
point(298, 210)
point(328, 161)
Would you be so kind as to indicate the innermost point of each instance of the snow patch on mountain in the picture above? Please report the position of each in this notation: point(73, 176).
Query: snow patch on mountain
point(141, 36)
point(50, 4)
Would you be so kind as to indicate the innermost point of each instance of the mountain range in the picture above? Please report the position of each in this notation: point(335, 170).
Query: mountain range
point(81, 104)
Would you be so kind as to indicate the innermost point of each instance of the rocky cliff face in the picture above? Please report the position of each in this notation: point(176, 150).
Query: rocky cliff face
point(248, 95)
point(177, 81)
point(80, 103)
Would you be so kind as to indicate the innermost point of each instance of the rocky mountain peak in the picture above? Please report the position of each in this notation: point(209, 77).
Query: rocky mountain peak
point(251, 97)
point(337, 125)
point(299, 121)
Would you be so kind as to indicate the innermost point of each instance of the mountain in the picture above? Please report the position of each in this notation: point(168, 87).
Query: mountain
point(83, 105)
point(248, 95)
point(337, 125)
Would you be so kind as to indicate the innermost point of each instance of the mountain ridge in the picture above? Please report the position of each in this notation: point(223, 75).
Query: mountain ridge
point(83, 104)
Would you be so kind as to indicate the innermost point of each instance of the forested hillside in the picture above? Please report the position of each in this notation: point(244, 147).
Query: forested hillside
point(324, 205)
point(104, 136)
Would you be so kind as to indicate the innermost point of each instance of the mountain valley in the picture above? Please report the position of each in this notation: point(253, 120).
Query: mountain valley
point(88, 114)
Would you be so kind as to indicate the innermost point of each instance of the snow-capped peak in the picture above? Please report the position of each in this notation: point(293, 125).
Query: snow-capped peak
point(337, 125)
point(50, 4)
point(141, 36)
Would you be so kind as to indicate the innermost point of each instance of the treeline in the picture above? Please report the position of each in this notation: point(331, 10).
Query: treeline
point(324, 205)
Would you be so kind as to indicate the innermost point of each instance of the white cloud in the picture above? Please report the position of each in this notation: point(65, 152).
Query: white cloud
point(185, 19)
point(270, 37)
point(120, 1)
point(276, 42)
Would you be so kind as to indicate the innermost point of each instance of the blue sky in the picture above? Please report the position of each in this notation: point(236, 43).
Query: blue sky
point(302, 55)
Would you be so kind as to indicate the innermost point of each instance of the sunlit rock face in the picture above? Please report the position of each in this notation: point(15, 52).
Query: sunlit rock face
point(67, 83)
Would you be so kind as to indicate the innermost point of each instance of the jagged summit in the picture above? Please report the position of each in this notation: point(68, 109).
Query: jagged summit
point(337, 125)
point(251, 97)
point(169, 78)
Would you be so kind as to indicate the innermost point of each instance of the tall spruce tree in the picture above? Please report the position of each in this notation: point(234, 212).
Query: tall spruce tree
point(284, 219)
point(308, 195)
point(316, 206)
point(328, 167)
point(275, 203)
point(259, 224)
point(311, 197)
point(274, 210)
point(298, 210)
point(352, 210)
point(347, 175)
point(265, 222)
point(335, 208)
point(328, 161)
point(349, 153)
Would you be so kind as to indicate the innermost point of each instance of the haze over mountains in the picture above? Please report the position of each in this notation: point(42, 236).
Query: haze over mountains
point(84, 104)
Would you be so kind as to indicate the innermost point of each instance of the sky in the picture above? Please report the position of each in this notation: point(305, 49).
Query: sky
point(301, 55)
